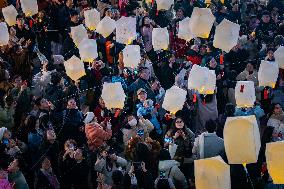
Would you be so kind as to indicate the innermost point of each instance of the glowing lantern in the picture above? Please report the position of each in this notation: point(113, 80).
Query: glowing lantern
point(242, 139)
point(74, 68)
point(125, 30)
point(226, 35)
point(268, 73)
point(92, 18)
point(184, 31)
point(201, 22)
point(174, 99)
point(113, 95)
point(78, 34)
point(131, 56)
point(10, 13)
point(106, 26)
point(88, 50)
point(202, 79)
point(29, 7)
point(274, 159)
point(160, 38)
point(245, 94)
point(164, 4)
point(4, 34)
point(212, 173)
point(279, 56)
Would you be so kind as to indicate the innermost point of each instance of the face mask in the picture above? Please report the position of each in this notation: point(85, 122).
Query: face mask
point(132, 122)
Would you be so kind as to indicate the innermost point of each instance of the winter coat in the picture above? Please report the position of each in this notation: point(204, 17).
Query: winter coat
point(171, 169)
point(208, 145)
point(145, 125)
point(277, 122)
point(101, 167)
point(42, 181)
point(96, 135)
point(4, 184)
point(6, 117)
point(141, 83)
point(19, 180)
point(55, 95)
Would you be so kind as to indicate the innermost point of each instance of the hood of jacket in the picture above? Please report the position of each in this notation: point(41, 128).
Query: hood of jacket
point(165, 165)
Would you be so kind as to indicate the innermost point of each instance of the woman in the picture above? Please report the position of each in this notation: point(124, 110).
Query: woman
point(183, 137)
point(135, 127)
point(276, 120)
point(106, 164)
point(171, 169)
point(35, 138)
point(45, 178)
point(146, 32)
point(7, 112)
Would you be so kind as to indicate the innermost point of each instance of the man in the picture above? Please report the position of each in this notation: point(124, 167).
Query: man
point(208, 144)
point(142, 82)
point(16, 176)
point(64, 17)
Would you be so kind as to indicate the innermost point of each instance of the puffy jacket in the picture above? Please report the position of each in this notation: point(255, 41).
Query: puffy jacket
point(96, 135)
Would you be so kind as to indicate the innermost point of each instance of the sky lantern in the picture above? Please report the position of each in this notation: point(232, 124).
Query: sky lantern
point(174, 99)
point(226, 35)
point(268, 73)
point(10, 13)
point(88, 50)
point(245, 94)
point(201, 22)
point(242, 139)
point(113, 95)
point(160, 39)
point(29, 7)
point(74, 68)
point(131, 56)
point(4, 34)
point(106, 26)
point(126, 30)
point(78, 34)
point(92, 18)
point(184, 31)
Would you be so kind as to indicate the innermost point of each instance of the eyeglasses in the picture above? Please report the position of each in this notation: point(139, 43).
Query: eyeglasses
point(179, 121)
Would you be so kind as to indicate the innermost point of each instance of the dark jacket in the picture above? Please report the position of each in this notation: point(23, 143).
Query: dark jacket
point(55, 95)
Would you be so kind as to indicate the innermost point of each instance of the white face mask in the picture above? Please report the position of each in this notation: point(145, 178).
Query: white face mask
point(132, 122)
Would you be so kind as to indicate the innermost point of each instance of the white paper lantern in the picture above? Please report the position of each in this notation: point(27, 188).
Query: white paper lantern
point(226, 35)
point(242, 139)
point(88, 50)
point(126, 30)
point(29, 7)
point(160, 39)
point(279, 56)
point(4, 34)
point(184, 31)
point(106, 26)
point(74, 68)
point(268, 73)
point(131, 56)
point(164, 4)
point(274, 159)
point(201, 22)
point(202, 79)
point(245, 94)
point(113, 95)
point(92, 18)
point(174, 99)
point(10, 13)
point(212, 173)
point(78, 34)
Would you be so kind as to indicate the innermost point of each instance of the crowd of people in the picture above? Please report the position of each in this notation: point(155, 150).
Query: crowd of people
point(56, 133)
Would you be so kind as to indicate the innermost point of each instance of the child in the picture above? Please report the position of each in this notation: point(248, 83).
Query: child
point(149, 112)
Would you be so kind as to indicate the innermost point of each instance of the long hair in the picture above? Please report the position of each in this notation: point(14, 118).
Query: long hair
point(173, 128)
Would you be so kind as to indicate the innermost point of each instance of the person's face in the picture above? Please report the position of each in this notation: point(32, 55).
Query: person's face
point(213, 63)
point(75, 19)
point(69, 3)
point(102, 103)
point(265, 18)
point(270, 54)
point(145, 74)
point(249, 67)
point(69, 145)
point(18, 82)
point(13, 166)
point(147, 21)
point(195, 48)
point(71, 104)
point(156, 85)
point(109, 13)
point(142, 96)
point(12, 31)
point(179, 14)
point(104, 153)
point(46, 164)
point(7, 134)
point(20, 22)
point(277, 109)
point(44, 104)
point(179, 123)
point(130, 118)
point(203, 50)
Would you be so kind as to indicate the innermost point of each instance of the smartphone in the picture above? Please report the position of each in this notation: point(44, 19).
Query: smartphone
point(168, 140)
point(140, 132)
point(137, 165)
